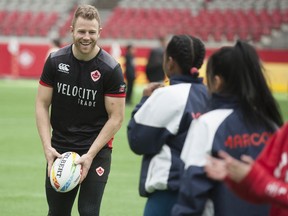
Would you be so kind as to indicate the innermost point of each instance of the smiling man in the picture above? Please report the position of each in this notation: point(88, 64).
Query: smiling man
point(81, 99)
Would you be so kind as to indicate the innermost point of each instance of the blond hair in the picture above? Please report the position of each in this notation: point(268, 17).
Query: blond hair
point(87, 12)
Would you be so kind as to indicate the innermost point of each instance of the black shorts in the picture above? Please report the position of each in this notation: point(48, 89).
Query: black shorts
point(90, 193)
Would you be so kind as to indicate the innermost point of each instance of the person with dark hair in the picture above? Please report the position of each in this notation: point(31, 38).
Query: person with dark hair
point(129, 72)
point(242, 116)
point(154, 70)
point(81, 98)
point(261, 181)
point(56, 42)
point(55, 46)
point(160, 122)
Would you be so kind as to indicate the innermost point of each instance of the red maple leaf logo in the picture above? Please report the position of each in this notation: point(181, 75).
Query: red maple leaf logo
point(100, 171)
point(95, 75)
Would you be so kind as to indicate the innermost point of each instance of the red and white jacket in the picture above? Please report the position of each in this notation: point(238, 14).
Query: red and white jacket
point(268, 179)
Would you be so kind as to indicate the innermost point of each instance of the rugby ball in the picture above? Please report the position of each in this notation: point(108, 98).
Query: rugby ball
point(65, 174)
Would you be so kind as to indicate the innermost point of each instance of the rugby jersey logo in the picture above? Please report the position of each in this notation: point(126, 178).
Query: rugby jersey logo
point(122, 88)
point(95, 75)
point(100, 171)
point(64, 68)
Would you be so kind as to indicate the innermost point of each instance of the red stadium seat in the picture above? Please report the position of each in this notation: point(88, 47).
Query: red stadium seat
point(149, 22)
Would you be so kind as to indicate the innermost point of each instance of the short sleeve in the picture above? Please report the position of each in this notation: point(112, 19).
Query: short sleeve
point(115, 86)
point(48, 76)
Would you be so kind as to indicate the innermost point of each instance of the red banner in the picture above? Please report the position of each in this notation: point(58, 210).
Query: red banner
point(27, 62)
point(30, 59)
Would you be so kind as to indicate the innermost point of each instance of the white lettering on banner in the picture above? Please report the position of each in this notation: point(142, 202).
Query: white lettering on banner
point(86, 97)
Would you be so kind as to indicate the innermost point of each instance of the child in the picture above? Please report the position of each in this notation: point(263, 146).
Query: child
point(243, 115)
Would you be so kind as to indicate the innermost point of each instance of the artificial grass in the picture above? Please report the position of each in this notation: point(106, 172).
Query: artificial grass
point(23, 164)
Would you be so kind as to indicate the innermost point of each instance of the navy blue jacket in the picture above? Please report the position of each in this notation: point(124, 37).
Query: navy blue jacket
point(222, 128)
point(158, 128)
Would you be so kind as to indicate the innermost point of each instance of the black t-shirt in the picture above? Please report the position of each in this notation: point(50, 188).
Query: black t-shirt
point(78, 111)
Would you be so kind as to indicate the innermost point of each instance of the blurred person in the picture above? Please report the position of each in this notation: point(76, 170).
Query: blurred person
point(55, 46)
point(13, 49)
point(160, 121)
point(82, 94)
point(116, 50)
point(154, 69)
point(261, 181)
point(243, 115)
point(130, 71)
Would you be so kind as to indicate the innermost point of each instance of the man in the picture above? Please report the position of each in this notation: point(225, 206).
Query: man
point(55, 45)
point(130, 72)
point(83, 89)
point(154, 68)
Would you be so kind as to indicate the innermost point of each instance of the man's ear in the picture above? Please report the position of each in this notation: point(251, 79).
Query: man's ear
point(99, 32)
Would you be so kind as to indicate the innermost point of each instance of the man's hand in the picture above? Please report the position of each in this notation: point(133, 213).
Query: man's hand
point(85, 161)
point(50, 155)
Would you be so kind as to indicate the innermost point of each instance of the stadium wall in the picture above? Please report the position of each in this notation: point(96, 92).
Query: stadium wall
point(28, 63)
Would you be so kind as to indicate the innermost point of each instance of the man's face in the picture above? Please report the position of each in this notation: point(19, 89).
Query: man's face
point(85, 34)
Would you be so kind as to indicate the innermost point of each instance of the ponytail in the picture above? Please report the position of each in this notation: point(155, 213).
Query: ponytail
point(242, 72)
point(188, 52)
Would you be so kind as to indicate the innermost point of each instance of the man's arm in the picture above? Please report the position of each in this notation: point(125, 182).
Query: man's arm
point(43, 102)
point(115, 108)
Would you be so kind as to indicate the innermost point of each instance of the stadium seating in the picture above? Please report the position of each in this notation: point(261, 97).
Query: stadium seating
point(33, 18)
point(215, 24)
point(212, 20)
point(20, 23)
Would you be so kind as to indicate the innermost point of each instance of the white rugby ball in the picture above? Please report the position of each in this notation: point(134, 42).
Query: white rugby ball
point(65, 174)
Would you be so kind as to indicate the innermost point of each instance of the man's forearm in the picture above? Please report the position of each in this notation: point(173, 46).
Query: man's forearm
point(43, 126)
point(107, 133)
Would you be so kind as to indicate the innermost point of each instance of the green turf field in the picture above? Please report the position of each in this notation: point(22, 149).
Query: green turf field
point(22, 161)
